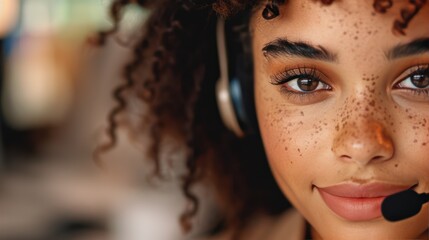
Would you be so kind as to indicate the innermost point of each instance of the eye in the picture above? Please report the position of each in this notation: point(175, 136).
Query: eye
point(418, 79)
point(306, 84)
point(414, 85)
point(300, 80)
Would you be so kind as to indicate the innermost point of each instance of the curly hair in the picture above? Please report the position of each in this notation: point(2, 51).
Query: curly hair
point(173, 71)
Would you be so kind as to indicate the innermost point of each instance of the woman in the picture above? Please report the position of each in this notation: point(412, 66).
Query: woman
point(334, 105)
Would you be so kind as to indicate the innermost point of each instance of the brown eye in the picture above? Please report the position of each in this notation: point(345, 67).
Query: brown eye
point(417, 80)
point(301, 80)
point(306, 84)
point(420, 81)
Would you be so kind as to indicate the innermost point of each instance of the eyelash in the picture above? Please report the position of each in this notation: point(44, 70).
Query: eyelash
point(418, 70)
point(291, 74)
point(299, 73)
point(312, 73)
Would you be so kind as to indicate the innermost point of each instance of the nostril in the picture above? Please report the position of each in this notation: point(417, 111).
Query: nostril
point(364, 143)
point(377, 158)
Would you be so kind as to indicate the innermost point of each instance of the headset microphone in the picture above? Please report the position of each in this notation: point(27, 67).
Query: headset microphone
point(403, 205)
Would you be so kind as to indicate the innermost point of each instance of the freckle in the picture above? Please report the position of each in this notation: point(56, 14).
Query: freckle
point(299, 150)
point(285, 148)
point(415, 141)
point(424, 144)
point(356, 38)
point(302, 113)
point(396, 165)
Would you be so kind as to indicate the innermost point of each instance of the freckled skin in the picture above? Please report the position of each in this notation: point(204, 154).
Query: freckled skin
point(361, 130)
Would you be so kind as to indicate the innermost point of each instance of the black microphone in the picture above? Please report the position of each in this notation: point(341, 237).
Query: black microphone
point(403, 205)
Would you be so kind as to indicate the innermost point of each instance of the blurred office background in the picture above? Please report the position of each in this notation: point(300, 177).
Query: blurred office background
point(55, 93)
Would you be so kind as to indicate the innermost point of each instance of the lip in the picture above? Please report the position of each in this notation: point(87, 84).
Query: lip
point(357, 202)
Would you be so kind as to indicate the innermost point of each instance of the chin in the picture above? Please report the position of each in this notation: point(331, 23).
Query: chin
point(331, 226)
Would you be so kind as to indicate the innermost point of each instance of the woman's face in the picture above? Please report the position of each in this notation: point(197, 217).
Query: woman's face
point(343, 109)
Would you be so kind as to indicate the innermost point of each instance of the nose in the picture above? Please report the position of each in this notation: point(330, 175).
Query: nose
point(363, 142)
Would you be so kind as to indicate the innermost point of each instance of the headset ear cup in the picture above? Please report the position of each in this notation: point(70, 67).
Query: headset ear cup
point(242, 87)
point(223, 95)
point(227, 108)
point(234, 89)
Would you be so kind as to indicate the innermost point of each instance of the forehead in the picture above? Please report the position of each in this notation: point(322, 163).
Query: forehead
point(343, 23)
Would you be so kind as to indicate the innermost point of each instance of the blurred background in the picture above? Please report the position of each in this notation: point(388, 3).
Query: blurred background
point(55, 93)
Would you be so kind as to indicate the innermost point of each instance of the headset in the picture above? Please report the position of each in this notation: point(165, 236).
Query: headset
point(234, 89)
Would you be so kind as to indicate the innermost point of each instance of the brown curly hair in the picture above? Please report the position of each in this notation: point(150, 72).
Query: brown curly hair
point(173, 71)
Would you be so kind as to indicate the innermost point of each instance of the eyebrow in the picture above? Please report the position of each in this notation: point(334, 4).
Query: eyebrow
point(416, 47)
point(283, 47)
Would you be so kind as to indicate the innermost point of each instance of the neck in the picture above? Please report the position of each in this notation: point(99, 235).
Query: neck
point(314, 234)
point(425, 235)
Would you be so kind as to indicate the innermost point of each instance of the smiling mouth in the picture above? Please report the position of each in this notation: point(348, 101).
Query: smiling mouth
point(355, 202)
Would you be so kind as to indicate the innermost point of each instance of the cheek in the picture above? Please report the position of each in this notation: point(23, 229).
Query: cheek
point(415, 131)
point(292, 137)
